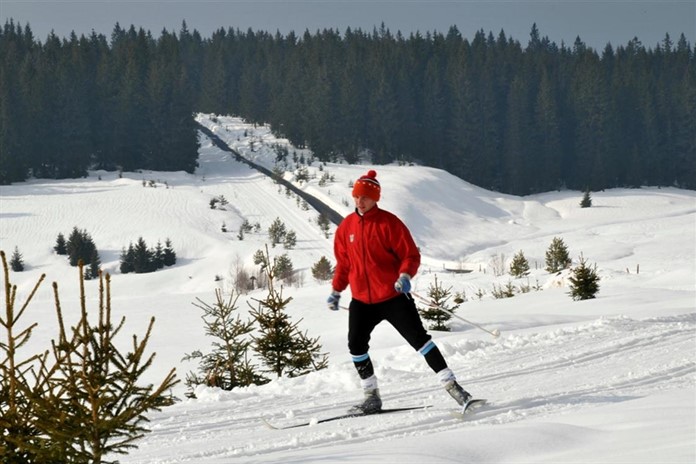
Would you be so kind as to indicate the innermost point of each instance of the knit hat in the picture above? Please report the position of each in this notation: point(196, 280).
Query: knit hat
point(367, 186)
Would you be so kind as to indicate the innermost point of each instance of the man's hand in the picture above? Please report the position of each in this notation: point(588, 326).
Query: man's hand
point(403, 284)
point(333, 300)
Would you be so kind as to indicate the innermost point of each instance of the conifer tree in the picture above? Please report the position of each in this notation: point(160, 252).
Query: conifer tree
point(557, 257)
point(126, 260)
point(80, 247)
point(20, 439)
point(61, 247)
point(158, 256)
point(16, 262)
point(142, 262)
point(519, 266)
point(586, 201)
point(169, 256)
point(83, 402)
point(437, 310)
point(283, 348)
point(228, 365)
point(322, 269)
point(277, 232)
point(284, 268)
point(584, 281)
point(324, 224)
point(290, 240)
point(260, 259)
point(94, 264)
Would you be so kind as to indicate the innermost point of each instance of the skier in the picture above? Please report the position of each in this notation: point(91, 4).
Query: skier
point(376, 256)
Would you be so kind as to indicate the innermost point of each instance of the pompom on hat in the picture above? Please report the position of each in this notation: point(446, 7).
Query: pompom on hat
point(367, 186)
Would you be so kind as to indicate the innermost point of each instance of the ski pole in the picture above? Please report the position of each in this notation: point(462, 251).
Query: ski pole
point(494, 332)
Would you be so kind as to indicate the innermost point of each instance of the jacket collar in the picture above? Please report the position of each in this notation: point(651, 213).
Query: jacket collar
point(368, 214)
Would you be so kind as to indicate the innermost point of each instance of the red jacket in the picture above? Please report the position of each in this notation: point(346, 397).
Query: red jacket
point(371, 252)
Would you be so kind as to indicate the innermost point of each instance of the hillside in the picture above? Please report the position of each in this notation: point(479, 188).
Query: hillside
point(605, 380)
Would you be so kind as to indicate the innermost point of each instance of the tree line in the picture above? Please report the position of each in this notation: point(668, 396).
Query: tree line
point(507, 117)
point(80, 103)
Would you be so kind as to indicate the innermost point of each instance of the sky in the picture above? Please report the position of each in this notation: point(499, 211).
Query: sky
point(612, 379)
point(596, 22)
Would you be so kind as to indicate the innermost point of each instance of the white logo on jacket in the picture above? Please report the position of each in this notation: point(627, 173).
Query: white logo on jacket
point(351, 237)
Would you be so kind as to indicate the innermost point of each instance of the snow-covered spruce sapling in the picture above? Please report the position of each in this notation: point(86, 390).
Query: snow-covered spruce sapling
point(586, 201)
point(227, 365)
point(584, 281)
point(282, 346)
point(519, 267)
point(322, 270)
point(439, 310)
point(557, 257)
point(17, 261)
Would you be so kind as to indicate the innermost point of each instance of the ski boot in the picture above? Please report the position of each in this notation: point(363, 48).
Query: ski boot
point(370, 405)
point(457, 392)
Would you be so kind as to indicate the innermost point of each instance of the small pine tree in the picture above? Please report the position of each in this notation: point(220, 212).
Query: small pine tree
point(586, 201)
point(94, 263)
point(16, 262)
point(227, 366)
point(277, 232)
point(142, 262)
point(169, 256)
point(284, 268)
point(290, 240)
point(283, 348)
point(437, 310)
point(126, 260)
point(261, 259)
point(519, 267)
point(246, 226)
point(61, 247)
point(557, 257)
point(322, 269)
point(158, 256)
point(584, 281)
point(81, 247)
point(74, 245)
point(324, 224)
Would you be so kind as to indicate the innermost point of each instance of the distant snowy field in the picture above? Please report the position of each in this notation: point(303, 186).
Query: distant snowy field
point(606, 380)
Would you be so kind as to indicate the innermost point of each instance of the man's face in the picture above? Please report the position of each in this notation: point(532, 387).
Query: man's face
point(364, 204)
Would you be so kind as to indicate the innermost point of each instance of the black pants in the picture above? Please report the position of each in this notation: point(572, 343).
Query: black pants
point(402, 314)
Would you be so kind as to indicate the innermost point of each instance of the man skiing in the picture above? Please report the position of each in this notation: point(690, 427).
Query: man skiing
point(376, 255)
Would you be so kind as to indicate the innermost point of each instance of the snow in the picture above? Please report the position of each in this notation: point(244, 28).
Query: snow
point(611, 379)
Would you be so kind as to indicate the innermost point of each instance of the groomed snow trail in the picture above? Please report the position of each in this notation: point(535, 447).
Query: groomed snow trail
point(536, 376)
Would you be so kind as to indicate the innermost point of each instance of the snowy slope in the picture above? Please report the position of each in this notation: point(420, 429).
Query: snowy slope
point(605, 380)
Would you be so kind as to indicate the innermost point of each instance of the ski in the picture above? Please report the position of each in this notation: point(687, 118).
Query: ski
point(341, 416)
point(469, 408)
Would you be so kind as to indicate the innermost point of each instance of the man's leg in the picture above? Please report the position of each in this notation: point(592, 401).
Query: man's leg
point(403, 315)
point(362, 320)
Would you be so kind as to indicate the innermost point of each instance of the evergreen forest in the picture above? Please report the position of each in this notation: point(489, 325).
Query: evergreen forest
point(503, 115)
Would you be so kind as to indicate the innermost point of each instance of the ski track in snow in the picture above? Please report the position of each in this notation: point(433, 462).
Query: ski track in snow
point(533, 376)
